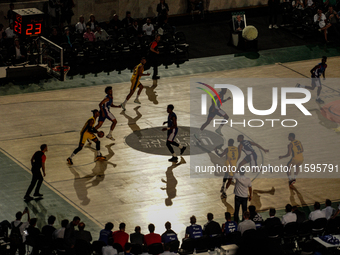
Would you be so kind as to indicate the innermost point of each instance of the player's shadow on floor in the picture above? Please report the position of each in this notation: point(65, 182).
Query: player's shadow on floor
point(256, 199)
point(82, 184)
point(171, 182)
point(294, 191)
point(323, 121)
point(151, 93)
point(132, 122)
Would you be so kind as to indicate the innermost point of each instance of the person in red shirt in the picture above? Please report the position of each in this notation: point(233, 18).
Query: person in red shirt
point(37, 161)
point(154, 52)
point(120, 236)
point(152, 237)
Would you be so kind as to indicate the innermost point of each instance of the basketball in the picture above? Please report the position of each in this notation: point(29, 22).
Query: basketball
point(100, 134)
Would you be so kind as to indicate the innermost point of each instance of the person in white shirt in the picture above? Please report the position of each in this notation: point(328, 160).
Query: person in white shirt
point(337, 212)
point(329, 210)
point(108, 249)
point(317, 213)
point(289, 216)
point(321, 19)
point(81, 25)
point(101, 34)
point(242, 186)
point(59, 233)
point(22, 227)
point(9, 31)
point(148, 28)
point(246, 224)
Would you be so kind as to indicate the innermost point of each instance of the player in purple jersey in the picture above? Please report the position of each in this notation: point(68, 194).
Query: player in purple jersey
point(316, 72)
point(105, 113)
point(172, 132)
point(247, 147)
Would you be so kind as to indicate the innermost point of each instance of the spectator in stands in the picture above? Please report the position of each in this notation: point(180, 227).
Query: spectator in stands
point(60, 233)
point(321, 20)
point(197, 5)
point(70, 234)
point(66, 11)
point(152, 238)
point(120, 236)
point(289, 216)
point(4, 226)
point(81, 26)
point(329, 210)
point(18, 52)
point(82, 234)
point(273, 12)
point(48, 229)
point(127, 249)
point(10, 14)
point(115, 23)
point(92, 23)
point(137, 29)
point(169, 235)
point(89, 35)
point(254, 216)
point(108, 249)
point(101, 34)
point(33, 236)
point(17, 236)
point(127, 21)
point(317, 213)
point(242, 187)
point(194, 230)
point(162, 8)
point(106, 233)
point(211, 228)
point(9, 31)
point(246, 224)
point(298, 4)
point(337, 212)
point(329, 3)
point(309, 3)
point(333, 19)
point(148, 28)
point(300, 215)
point(153, 57)
point(229, 226)
point(67, 38)
point(239, 23)
point(272, 220)
point(55, 37)
point(137, 237)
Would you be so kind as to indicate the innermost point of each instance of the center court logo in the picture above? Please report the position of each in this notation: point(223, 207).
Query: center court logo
point(239, 104)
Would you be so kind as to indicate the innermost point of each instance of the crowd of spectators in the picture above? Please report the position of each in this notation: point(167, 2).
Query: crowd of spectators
point(69, 240)
point(311, 16)
point(127, 35)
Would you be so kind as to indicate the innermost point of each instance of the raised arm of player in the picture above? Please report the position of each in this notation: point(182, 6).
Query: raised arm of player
point(221, 154)
point(226, 99)
point(259, 146)
point(290, 146)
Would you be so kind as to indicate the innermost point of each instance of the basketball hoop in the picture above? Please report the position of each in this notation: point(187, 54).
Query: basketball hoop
point(62, 70)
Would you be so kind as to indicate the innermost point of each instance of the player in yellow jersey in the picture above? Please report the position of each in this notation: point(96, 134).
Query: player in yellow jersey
point(296, 150)
point(135, 82)
point(231, 153)
point(88, 132)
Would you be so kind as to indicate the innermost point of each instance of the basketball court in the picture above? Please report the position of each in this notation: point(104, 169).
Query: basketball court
point(137, 185)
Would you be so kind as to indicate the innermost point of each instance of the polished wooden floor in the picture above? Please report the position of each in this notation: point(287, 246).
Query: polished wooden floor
point(138, 188)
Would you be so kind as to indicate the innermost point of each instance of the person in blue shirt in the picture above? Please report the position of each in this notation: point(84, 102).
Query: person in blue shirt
point(169, 235)
point(194, 230)
point(229, 226)
point(106, 234)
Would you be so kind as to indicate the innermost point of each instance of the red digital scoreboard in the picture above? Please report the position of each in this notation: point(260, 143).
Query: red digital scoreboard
point(28, 22)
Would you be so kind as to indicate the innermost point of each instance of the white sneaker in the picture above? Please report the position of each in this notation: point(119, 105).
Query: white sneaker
point(110, 137)
point(275, 26)
point(137, 101)
point(270, 26)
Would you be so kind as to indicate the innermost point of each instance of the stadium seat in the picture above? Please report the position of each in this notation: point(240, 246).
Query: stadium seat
point(318, 226)
point(202, 244)
point(136, 249)
point(97, 247)
point(155, 248)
